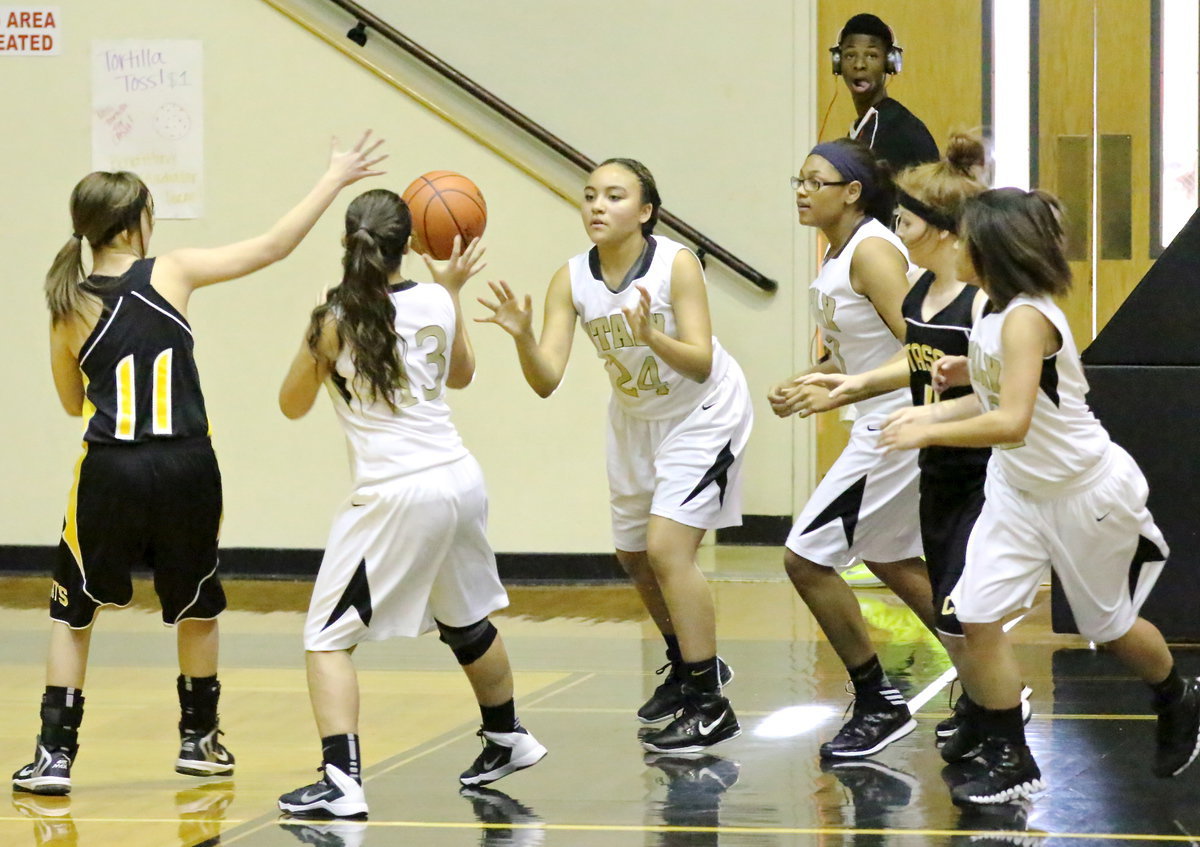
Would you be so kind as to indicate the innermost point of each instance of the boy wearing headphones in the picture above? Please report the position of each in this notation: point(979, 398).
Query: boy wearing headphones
point(866, 53)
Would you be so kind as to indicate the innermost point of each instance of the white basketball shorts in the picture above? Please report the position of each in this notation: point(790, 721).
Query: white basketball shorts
point(687, 469)
point(866, 507)
point(1094, 536)
point(403, 553)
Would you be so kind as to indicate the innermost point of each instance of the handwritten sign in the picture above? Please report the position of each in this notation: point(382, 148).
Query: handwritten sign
point(28, 30)
point(148, 117)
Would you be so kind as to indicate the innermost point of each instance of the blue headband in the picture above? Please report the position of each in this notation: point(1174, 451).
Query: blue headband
point(846, 164)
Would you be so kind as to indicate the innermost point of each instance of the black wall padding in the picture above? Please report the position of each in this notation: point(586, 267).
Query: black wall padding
point(1159, 323)
point(1154, 413)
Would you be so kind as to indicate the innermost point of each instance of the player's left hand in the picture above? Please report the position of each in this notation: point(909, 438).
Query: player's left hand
point(949, 371)
point(453, 273)
point(804, 399)
point(904, 430)
point(638, 318)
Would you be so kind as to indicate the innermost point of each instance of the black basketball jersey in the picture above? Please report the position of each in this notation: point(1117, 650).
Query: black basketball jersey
point(139, 376)
point(926, 341)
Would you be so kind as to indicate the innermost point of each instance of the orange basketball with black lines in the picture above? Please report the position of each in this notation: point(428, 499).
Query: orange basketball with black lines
point(445, 204)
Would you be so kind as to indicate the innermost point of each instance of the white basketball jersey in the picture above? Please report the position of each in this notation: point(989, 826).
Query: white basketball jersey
point(385, 444)
point(643, 385)
point(1064, 440)
point(857, 338)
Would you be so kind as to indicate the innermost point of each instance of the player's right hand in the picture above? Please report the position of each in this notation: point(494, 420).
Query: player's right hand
point(510, 314)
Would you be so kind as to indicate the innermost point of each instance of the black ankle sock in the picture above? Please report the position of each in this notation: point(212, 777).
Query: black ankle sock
point(61, 713)
point(343, 753)
point(673, 654)
point(1168, 691)
point(703, 676)
point(1001, 723)
point(869, 677)
point(502, 718)
point(198, 698)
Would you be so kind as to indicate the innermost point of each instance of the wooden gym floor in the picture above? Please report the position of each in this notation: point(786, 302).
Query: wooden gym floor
point(585, 659)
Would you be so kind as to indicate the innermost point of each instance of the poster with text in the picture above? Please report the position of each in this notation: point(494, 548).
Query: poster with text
point(148, 117)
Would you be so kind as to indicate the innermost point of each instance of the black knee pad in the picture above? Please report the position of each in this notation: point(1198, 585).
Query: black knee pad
point(468, 643)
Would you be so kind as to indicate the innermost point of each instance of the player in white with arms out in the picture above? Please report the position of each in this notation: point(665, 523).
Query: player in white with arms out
point(866, 505)
point(679, 420)
point(408, 551)
point(1059, 493)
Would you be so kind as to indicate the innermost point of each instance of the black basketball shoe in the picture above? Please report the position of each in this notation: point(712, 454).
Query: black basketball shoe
point(334, 795)
point(1177, 736)
point(705, 719)
point(203, 754)
point(878, 719)
point(49, 773)
point(963, 707)
point(667, 699)
point(503, 753)
point(1008, 774)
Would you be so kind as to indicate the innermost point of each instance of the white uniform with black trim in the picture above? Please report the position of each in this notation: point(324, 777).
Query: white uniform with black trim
point(866, 506)
point(410, 542)
point(675, 446)
point(1066, 497)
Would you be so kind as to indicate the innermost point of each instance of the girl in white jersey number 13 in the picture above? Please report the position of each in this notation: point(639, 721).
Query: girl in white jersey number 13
point(679, 420)
point(1059, 494)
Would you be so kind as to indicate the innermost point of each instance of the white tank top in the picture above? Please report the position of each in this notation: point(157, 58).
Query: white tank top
point(385, 444)
point(857, 338)
point(644, 385)
point(1064, 440)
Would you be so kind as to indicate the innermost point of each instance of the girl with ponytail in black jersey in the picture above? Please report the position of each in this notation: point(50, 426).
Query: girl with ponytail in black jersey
point(408, 551)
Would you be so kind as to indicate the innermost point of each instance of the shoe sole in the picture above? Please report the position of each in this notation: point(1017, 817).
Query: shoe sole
point(661, 718)
point(527, 761)
point(48, 786)
point(320, 810)
point(190, 767)
point(858, 754)
point(1009, 795)
point(692, 748)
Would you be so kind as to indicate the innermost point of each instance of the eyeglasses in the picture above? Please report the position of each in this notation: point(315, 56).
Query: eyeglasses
point(811, 184)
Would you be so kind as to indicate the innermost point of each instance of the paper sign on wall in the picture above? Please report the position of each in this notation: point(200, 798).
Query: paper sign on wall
point(28, 30)
point(148, 117)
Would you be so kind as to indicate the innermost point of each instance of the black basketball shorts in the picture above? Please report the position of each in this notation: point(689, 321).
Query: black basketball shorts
point(950, 504)
point(154, 505)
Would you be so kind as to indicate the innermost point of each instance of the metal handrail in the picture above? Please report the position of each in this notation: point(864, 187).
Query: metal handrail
point(705, 246)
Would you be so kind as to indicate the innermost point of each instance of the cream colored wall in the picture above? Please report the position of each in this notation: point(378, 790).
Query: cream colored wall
point(719, 105)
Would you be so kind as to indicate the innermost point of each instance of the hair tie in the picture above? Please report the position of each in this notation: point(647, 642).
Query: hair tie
point(77, 236)
point(927, 213)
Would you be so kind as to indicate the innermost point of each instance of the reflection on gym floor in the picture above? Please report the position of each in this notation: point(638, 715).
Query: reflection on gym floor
point(585, 658)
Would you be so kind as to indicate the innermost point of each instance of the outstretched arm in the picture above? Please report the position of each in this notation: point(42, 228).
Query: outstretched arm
point(177, 273)
point(690, 354)
point(453, 275)
point(542, 362)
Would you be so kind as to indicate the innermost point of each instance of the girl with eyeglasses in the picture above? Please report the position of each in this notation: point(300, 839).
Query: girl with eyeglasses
point(865, 508)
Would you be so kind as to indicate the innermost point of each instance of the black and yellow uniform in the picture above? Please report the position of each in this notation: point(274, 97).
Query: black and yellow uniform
point(147, 488)
point(951, 484)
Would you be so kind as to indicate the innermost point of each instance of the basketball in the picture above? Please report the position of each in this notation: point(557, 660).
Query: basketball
point(445, 204)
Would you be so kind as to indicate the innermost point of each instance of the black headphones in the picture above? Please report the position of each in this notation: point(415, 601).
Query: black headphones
point(892, 64)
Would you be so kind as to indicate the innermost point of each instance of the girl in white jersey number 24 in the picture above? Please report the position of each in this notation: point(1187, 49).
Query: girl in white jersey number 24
point(1059, 494)
point(679, 420)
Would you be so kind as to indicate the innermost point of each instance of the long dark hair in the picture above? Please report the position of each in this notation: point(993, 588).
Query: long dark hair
point(647, 184)
point(103, 205)
point(1017, 243)
point(378, 225)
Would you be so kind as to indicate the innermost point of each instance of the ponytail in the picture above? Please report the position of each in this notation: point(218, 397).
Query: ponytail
point(378, 225)
point(63, 281)
point(103, 206)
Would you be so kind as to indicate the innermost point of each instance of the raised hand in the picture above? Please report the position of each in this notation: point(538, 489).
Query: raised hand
point(638, 318)
point(461, 266)
point(349, 166)
point(508, 313)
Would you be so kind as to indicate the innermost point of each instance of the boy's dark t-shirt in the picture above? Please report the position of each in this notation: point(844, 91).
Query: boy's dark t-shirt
point(896, 135)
